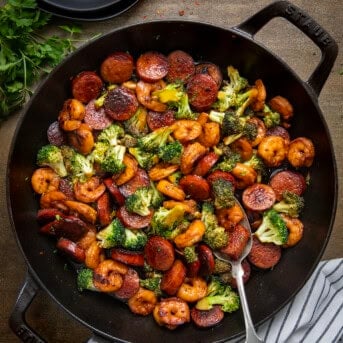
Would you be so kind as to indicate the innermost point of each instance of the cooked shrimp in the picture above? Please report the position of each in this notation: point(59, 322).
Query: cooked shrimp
point(191, 153)
point(186, 130)
point(82, 139)
point(144, 92)
point(131, 166)
point(261, 130)
point(85, 211)
point(230, 217)
point(192, 235)
point(190, 206)
point(44, 180)
point(143, 302)
point(162, 170)
point(94, 255)
point(90, 190)
point(192, 289)
point(301, 152)
point(86, 240)
point(258, 104)
point(202, 118)
point(53, 199)
point(295, 230)
point(282, 106)
point(244, 175)
point(243, 147)
point(273, 150)
point(71, 115)
point(210, 134)
point(173, 191)
point(108, 275)
point(130, 84)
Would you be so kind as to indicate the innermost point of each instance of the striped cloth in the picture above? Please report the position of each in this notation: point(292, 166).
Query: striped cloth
point(315, 315)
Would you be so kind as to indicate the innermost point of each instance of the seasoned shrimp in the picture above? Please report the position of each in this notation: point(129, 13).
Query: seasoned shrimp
point(261, 130)
point(130, 85)
point(273, 150)
point(162, 170)
point(94, 255)
point(186, 130)
point(301, 152)
point(192, 289)
point(71, 115)
point(190, 206)
point(86, 240)
point(202, 118)
point(258, 104)
point(90, 190)
point(210, 134)
point(44, 180)
point(108, 275)
point(82, 139)
point(229, 217)
point(144, 92)
point(173, 191)
point(243, 147)
point(282, 106)
point(192, 235)
point(143, 302)
point(244, 175)
point(53, 199)
point(131, 166)
point(191, 153)
point(85, 211)
point(295, 230)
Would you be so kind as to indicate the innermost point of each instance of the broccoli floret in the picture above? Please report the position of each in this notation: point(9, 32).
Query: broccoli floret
point(223, 193)
point(291, 204)
point(228, 163)
point(128, 141)
point(145, 159)
point(215, 236)
point(137, 124)
point(171, 152)
point(99, 152)
point(81, 167)
point(219, 293)
point(183, 109)
point(152, 283)
point(270, 118)
point(156, 139)
point(243, 100)
point(140, 201)
point(221, 266)
point(51, 156)
point(112, 235)
point(175, 177)
point(134, 239)
point(190, 254)
point(258, 165)
point(113, 160)
point(157, 197)
point(273, 229)
point(111, 134)
point(85, 280)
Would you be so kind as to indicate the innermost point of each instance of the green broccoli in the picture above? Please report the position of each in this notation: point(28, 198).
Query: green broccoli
point(145, 159)
point(228, 163)
point(157, 197)
point(81, 167)
point(291, 204)
point(85, 280)
point(183, 109)
point(221, 294)
point(137, 124)
point(128, 141)
point(273, 229)
point(243, 100)
point(223, 192)
point(221, 266)
point(175, 177)
point(190, 254)
point(215, 236)
point(258, 165)
point(112, 235)
point(99, 152)
point(270, 118)
point(155, 139)
point(171, 152)
point(113, 160)
point(51, 156)
point(140, 201)
point(134, 239)
point(111, 134)
point(152, 283)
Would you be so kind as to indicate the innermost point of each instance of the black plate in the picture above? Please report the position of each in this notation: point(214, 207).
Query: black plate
point(89, 11)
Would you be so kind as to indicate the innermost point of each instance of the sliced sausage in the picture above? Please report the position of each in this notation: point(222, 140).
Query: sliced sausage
point(173, 278)
point(205, 164)
point(287, 180)
point(46, 215)
point(86, 86)
point(193, 268)
point(246, 269)
point(117, 67)
point(159, 253)
point(219, 174)
point(141, 179)
point(238, 239)
point(202, 92)
point(279, 131)
point(96, 118)
point(209, 318)
point(181, 66)
point(120, 103)
point(210, 69)
point(71, 249)
point(133, 220)
point(130, 285)
point(195, 186)
point(70, 227)
point(258, 197)
point(66, 187)
point(132, 258)
point(104, 210)
point(156, 120)
point(152, 66)
point(264, 255)
point(206, 259)
point(114, 191)
point(56, 136)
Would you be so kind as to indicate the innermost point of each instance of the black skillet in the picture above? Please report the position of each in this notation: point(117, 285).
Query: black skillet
point(268, 291)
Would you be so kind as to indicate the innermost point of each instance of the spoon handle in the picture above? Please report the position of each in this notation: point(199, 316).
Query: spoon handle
point(251, 335)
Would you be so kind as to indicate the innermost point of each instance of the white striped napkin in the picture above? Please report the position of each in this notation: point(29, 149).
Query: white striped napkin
point(315, 315)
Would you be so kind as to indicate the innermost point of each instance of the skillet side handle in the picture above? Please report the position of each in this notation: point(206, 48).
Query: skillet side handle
point(17, 320)
point(308, 26)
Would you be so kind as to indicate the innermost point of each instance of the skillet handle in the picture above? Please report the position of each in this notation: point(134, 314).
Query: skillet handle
point(17, 320)
point(308, 26)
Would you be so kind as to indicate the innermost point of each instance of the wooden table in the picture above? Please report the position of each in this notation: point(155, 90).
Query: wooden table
point(297, 50)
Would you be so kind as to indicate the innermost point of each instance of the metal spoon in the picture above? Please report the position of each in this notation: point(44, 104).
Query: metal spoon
point(238, 272)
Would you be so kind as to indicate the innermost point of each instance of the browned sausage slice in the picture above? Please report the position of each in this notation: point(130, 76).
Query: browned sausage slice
point(220, 174)
point(156, 120)
point(117, 67)
point(86, 86)
point(71, 249)
point(258, 197)
point(173, 278)
point(114, 191)
point(70, 227)
point(56, 136)
point(206, 319)
point(152, 66)
point(66, 187)
point(103, 207)
point(141, 179)
point(287, 180)
point(195, 186)
point(279, 131)
point(181, 66)
point(45, 215)
point(206, 259)
point(133, 220)
point(159, 253)
point(130, 285)
point(202, 91)
point(132, 258)
point(264, 255)
point(96, 118)
point(210, 69)
point(120, 103)
point(205, 164)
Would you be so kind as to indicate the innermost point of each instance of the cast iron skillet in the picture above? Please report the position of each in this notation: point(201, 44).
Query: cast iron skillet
point(268, 291)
